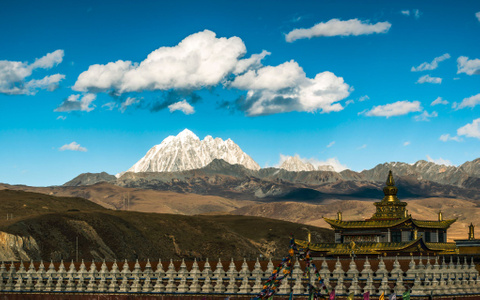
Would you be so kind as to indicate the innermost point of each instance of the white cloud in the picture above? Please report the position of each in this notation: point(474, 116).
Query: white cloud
point(440, 161)
point(406, 143)
point(49, 60)
point(363, 98)
point(255, 61)
point(182, 106)
point(446, 137)
point(348, 102)
point(471, 129)
point(429, 79)
point(468, 66)
point(405, 12)
point(394, 109)
point(49, 83)
point(13, 75)
point(425, 116)
point(63, 118)
point(469, 102)
point(73, 146)
point(439, 100)
point(362, 147)
point(286, 88)
point(129, 101)
point(331, 144)
point(431, 66)
point(336, 27)
point(73, 103)
point(478, 16)
point(200, 60)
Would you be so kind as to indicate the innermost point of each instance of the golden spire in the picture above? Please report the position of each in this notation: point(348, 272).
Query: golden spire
point(390, 190)
point(471, 232)
point(390, 207)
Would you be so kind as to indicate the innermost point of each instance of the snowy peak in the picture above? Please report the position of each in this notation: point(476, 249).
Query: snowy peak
point(295, 164)
point(187, 152)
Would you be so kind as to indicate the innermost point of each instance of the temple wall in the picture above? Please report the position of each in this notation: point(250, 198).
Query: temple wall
point(423, 277)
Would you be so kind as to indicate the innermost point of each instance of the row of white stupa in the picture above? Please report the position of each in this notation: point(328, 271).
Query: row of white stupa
point(421, 279)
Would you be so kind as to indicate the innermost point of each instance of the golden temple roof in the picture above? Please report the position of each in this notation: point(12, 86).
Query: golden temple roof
point(417, 245)
point(339, 224)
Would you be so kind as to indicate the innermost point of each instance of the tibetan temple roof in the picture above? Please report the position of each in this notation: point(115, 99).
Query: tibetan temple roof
point(339, 224)
point(417, 245)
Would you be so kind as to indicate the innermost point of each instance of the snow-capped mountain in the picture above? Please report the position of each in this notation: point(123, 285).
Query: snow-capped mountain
point(187, 152)
point(295, 164)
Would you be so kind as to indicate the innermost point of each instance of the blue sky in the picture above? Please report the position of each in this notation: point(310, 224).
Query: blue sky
point(346, 80)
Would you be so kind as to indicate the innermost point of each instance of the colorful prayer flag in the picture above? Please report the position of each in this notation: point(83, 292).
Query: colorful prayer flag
point(392, 297)
point(351, 296)
point(366, 296)
point(382, 296)
point(406, 295)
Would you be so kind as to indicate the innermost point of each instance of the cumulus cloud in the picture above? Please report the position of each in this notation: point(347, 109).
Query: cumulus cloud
point(440, 161)
point(394, 109)
point(468, 66)
point(285, 88)
point(14, 74)
point(425, 116)
point(429, 79)
point(478, 16)
point(431, 66)
point(470, 130)
point(438, 101)
point(446, 137)
point(73, 146)
point(331, 144)
point(336, 27)
point(469, 102)
point(182, 106)
point(405, 12)
point(200, 60)
point(77, 102)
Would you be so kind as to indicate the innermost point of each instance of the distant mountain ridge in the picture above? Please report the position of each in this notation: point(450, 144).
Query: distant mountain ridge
point(466, 175)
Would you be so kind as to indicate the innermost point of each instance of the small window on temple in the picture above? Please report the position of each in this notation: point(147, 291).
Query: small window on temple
point(396, 236)
point(441, 238)
point(427, 237)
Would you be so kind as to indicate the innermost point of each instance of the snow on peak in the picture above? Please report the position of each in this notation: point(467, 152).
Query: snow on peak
point(187, 152)
point(295, 164)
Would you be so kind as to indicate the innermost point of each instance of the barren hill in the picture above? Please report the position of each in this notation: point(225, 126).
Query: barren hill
point(46, 227)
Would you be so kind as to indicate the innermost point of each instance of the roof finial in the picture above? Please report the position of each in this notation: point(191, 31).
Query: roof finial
point(390, 190)
point(390, 181)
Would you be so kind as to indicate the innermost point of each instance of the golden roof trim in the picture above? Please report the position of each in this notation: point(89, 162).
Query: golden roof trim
point(388, 223)
point(375, 248)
